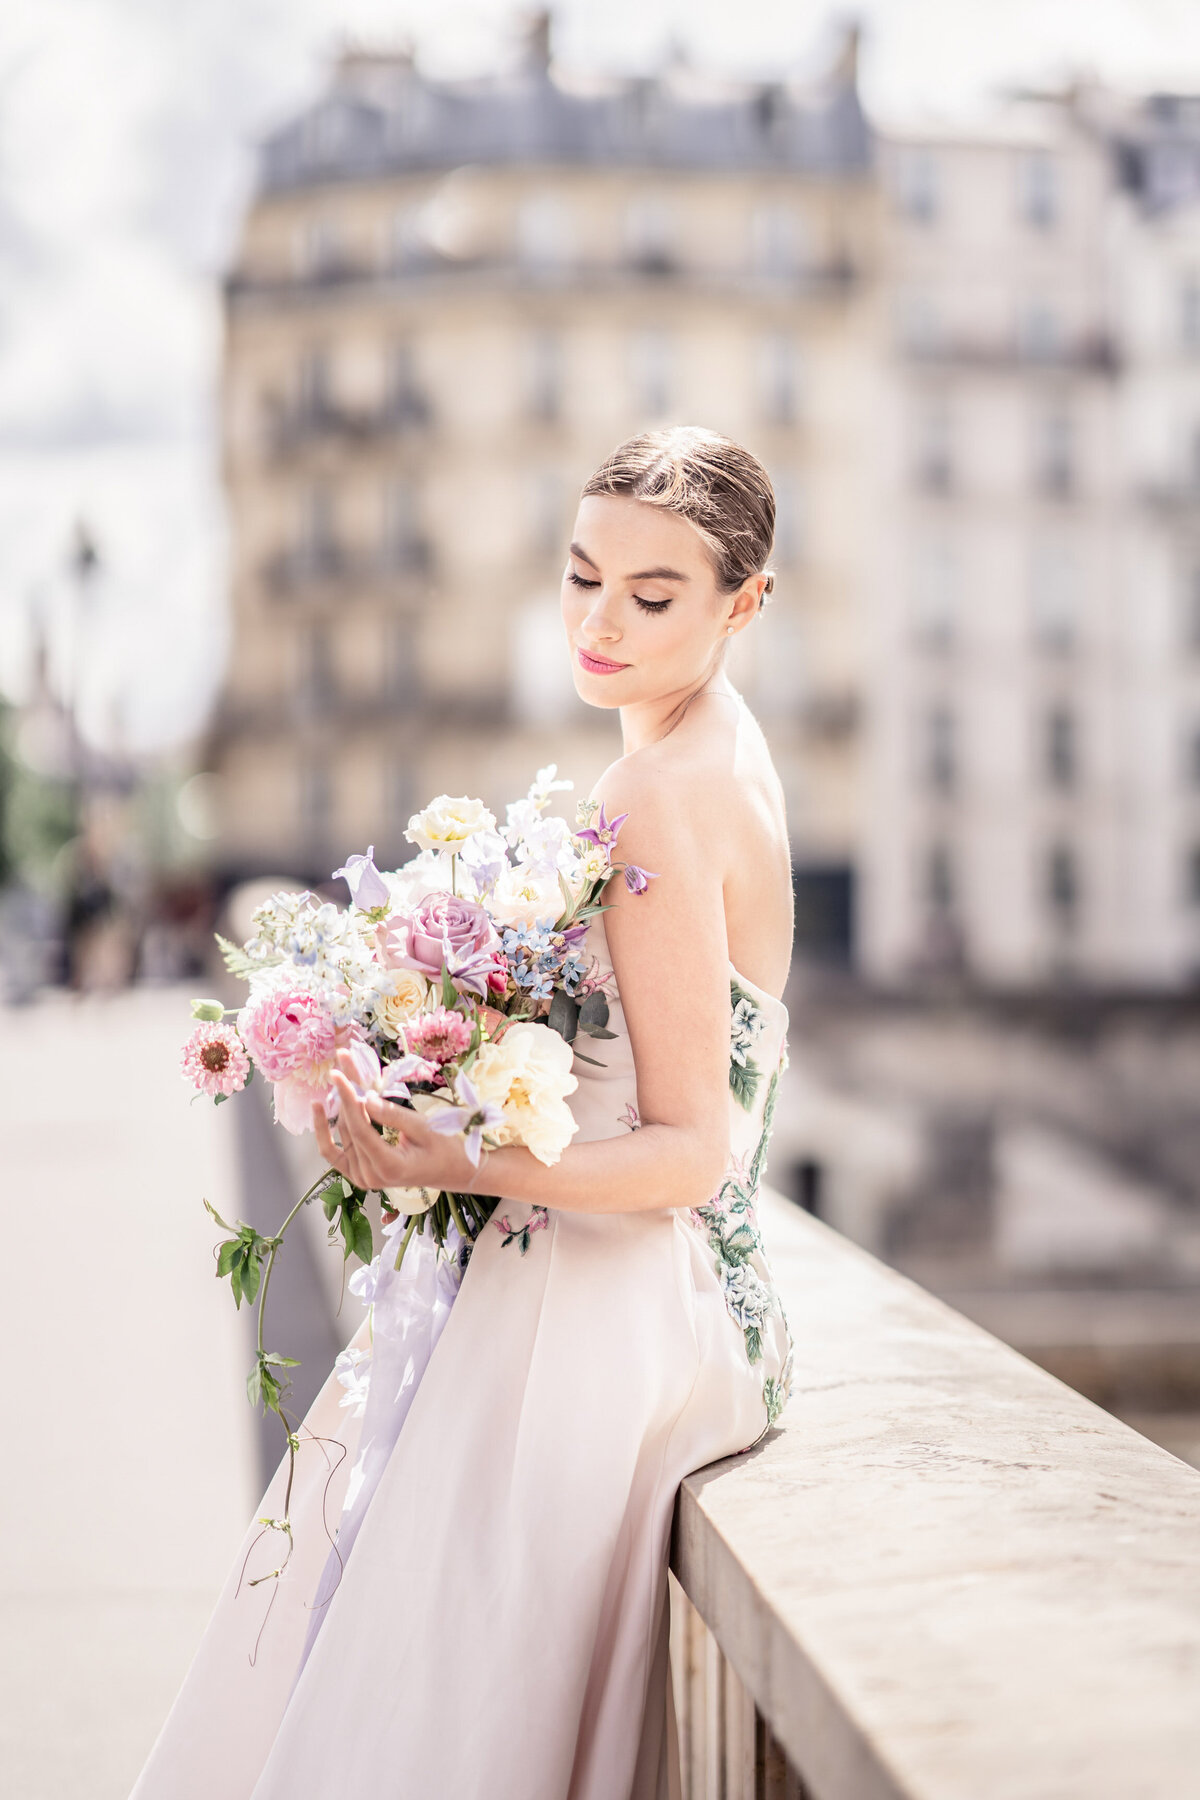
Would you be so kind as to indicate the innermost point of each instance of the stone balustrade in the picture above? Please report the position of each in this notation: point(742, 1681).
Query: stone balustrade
point(946, 1577)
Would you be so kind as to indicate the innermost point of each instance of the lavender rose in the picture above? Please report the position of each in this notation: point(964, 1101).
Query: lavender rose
point(418, 939)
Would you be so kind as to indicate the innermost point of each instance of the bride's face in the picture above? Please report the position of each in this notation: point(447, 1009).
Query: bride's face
point(640, 602)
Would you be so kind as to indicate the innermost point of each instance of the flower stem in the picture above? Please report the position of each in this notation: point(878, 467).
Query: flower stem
point(408, 1231)
point(317, 1185)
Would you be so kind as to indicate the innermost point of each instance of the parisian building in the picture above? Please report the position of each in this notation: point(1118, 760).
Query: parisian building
point(971, 363)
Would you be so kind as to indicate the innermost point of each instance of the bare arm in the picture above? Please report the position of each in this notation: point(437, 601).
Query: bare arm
point(669, 954)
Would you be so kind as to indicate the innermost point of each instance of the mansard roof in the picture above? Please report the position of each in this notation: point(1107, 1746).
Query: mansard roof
point(381, 116)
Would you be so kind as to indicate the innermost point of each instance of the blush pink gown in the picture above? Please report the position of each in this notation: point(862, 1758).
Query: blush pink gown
point(497, 1623)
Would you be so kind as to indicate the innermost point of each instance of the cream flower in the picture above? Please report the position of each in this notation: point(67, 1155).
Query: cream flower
point(402, 996)
point(447, 823)
point(593, 863)
point(521, 897)
point(527, 1073)
point(408, 1201)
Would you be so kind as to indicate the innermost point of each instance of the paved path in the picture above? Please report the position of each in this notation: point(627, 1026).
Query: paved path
point(129, 1450)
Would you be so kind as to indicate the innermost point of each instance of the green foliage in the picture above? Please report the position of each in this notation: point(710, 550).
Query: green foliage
point(263, 1386)
point(237, 962)
point(743, 1083)
point(241, 1257)
point(343, 1206)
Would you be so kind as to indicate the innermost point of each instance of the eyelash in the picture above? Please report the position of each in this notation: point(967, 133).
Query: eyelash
point(650, 606)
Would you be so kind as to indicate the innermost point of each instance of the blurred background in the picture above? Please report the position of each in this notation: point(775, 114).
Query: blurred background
point(313, 318)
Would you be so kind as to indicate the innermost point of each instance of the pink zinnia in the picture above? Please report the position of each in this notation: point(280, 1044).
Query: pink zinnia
point(439, 1036)
point(215, 1060)
point(294, 1039)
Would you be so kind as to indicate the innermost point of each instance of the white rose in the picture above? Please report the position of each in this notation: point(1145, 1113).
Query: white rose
point(527, 1073)
point(402, 996)
point(521, 897)
point(447, 823)
point(426, 874)
point(411, 1200)
point(592, 864)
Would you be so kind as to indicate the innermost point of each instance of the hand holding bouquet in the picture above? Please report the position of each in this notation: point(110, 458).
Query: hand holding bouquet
point(453, 988)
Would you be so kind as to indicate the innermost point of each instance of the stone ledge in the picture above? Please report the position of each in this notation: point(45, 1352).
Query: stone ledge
point(947, 1576)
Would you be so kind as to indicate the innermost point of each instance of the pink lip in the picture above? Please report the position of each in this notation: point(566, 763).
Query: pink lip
point(598, 665)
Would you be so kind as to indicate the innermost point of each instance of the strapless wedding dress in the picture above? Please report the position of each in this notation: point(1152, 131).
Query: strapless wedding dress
point(493, 1622)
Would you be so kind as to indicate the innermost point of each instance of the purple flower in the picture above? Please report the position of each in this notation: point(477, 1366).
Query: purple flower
point(637, 879)
point(442, 927)
point(604, 832)
point(389, 1080)
point(472, 1116)
point(367, 886)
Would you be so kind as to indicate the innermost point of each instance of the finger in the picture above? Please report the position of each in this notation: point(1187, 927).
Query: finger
point(354, 1126)
point(323, 1133)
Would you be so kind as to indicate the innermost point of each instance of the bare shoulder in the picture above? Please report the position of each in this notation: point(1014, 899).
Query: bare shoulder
point(682, 782)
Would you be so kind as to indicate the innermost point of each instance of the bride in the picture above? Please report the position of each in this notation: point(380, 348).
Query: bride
point(493, 1619)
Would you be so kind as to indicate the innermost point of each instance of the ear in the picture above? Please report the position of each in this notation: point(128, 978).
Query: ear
point(746, 602)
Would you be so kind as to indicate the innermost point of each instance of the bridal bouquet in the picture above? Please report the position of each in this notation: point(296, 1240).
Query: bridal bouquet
point(459, 986)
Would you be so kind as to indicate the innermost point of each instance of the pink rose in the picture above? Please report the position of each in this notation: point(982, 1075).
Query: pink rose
point(417, 940)
point(293, 1039)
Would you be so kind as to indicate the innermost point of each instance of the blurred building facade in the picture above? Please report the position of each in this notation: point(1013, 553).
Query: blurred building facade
point(449, 303)
point(972, 366)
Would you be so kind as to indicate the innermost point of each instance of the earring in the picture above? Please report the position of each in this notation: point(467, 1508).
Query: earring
point(729, 631)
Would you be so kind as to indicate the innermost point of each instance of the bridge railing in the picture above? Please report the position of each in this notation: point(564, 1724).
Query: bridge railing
point(947, 1576)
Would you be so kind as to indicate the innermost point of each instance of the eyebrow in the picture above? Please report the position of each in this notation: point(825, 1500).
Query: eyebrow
point(577, 550)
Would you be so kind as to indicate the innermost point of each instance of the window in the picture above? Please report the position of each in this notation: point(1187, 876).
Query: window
point(1189, 312)
point(779, 378)
point(936, 585)
point(314, 801)
point(317, 544)
point(918, 185)
point(1038, 189)
point(933, 448)
point(941, 749)
point(404, 546)
point(316, 686)
point(408, 245)
point(919, 324)
point(319, 248)
point(775, 240)
point(1039, 331)
point(1190, 633)
point(1062, 883)
point(650, 234)
point(314, 382)
point(650, 367)
point(547, 507)
point(939, 882)
point(404, 403)
point(1061, 747)
point(1053, 596)
point(789, 519)
point(1192, 757)
point(543, 233)
point(1053, 451)
point(401, 674)
point(543, 374)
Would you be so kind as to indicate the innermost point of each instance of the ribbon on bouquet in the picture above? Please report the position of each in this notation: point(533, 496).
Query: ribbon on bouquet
point(410, 1307)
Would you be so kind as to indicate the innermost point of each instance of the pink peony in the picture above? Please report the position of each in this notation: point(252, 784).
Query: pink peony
point(293, 1039)
point(439, 1036)
point(215, 1060)
point(417, 940)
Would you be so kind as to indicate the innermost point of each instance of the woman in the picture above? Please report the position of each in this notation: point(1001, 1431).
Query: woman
point(496, 1622)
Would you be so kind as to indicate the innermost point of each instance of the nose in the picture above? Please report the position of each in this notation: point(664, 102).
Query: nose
point(598, 625)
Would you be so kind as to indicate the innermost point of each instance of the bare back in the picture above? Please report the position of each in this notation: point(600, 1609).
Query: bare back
point(717, 757)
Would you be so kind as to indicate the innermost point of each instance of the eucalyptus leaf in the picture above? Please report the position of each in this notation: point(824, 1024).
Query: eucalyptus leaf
point(563, 1016)
point(593, 1009)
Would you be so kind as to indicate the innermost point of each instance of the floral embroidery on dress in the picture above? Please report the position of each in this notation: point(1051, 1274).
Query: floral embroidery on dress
point(746, 1025)
point(538, 1219)
point(629, 1116)
point(730, 1223)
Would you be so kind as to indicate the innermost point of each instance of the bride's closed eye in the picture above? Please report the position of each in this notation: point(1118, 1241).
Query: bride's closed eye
point(651, 606)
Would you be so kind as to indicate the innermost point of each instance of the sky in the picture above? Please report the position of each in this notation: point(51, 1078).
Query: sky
point(127, 131)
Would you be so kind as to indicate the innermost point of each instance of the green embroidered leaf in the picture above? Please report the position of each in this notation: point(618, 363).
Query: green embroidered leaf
point(759, 1163)
point(753, 1344)
point(743, 1083)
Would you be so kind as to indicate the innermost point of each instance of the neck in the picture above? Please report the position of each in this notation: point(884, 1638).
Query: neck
point(647, 721)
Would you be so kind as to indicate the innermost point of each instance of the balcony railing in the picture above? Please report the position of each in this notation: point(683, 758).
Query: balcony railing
point(334, 565)
point(291, 428)
point(946, 1577)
